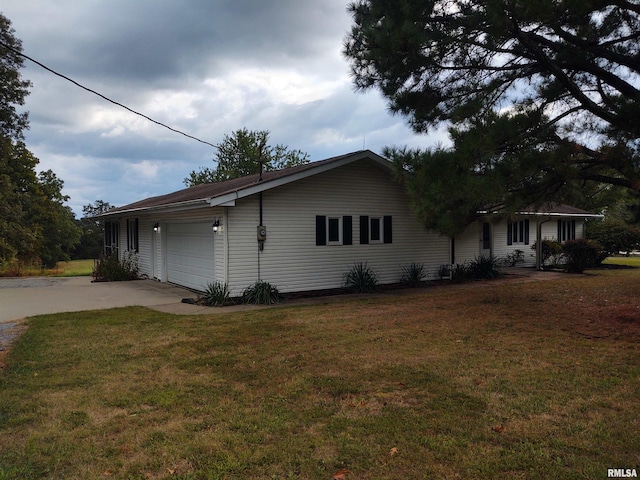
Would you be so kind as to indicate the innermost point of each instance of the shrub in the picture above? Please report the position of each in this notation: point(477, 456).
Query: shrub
point(551, 250)
point(460, 272)
point(484, 267)
point(361, 278)
point(109, 268)
point(444, 271)
point(261, 293)
point(413, 275)
point(216, 294)
point(514, 258)
point(581, 254)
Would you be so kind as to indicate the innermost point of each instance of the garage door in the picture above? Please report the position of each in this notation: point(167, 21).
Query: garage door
point(190, 260)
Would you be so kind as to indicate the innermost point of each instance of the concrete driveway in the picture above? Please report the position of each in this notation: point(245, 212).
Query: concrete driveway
point(25, 297)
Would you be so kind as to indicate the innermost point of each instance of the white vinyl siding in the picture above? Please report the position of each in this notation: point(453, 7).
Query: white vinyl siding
point(292, 261)
point(467, 245)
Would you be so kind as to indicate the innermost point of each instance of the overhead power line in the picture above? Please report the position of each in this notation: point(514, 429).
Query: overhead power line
point(17, 52)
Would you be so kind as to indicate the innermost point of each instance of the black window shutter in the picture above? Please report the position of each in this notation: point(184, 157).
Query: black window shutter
point(573, 229)
point(321, 230)
point(137, 246)
point(526, 232)
point(509, 233)
point(130, 245)
point(387, 230)
point(107, 234)
point(560, 230)
point(347, 230)
point(364, 230)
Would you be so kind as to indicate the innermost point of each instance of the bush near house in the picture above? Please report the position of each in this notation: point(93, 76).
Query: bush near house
point(216, 295)
point(361, 278)
point(413, 275)
point(581, 254)
point(483, 267)
point(109, 268)
point(261, 293)
point(551, 251)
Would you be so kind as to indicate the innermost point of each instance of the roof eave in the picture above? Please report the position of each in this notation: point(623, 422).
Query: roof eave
point(549, 214)
point(171, 207)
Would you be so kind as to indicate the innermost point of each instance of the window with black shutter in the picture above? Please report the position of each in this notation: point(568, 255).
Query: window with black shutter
point(518, 232)
point(334, 230)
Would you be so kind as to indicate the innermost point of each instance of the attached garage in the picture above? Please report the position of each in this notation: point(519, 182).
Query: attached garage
point(190, 254)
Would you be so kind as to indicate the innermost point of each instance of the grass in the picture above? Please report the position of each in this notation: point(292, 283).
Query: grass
point(500, 380)
point(626, 261)
point(73, 268)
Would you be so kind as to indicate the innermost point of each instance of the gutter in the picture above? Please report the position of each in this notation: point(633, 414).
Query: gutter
point(549, 214)
point(188, 205)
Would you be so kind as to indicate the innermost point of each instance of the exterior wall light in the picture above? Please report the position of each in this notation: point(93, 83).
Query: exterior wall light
point(156, 227)
point(216, 226)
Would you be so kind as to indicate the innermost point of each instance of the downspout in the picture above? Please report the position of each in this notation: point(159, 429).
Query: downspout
point(260, 242)
point(539, 243)
point(225, 216)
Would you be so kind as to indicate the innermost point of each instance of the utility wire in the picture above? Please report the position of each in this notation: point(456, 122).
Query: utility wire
point(17, 52)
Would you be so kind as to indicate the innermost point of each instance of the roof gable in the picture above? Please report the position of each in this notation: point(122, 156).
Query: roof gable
point(220, 193)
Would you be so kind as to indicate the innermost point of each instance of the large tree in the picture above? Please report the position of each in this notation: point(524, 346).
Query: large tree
point(540, 95)
point(35, 224)
point(13, 88)
point(241, 153)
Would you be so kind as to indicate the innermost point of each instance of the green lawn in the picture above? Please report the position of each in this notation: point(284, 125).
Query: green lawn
point(483, 380)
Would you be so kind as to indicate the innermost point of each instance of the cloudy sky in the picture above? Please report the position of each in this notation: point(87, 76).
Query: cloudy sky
point(205, 67)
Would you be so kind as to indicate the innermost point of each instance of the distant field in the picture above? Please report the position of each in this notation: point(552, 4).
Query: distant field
point(73, 268)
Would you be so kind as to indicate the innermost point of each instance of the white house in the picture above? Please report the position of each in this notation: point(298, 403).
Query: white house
point(300, 229)
point(500, 239)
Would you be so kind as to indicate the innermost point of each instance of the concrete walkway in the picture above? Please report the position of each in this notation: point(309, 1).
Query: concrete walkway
point(26, 297)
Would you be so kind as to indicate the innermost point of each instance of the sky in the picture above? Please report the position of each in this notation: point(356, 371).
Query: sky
point(204, 67)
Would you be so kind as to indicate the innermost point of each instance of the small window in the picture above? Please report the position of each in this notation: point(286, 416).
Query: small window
point(334, 230)
point(518, 232)
point(132, 235)
point(111, 238)
point(566, 230)
point(376, 230)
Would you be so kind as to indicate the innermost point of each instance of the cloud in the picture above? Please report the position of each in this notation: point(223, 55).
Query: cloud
point(204, 67)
